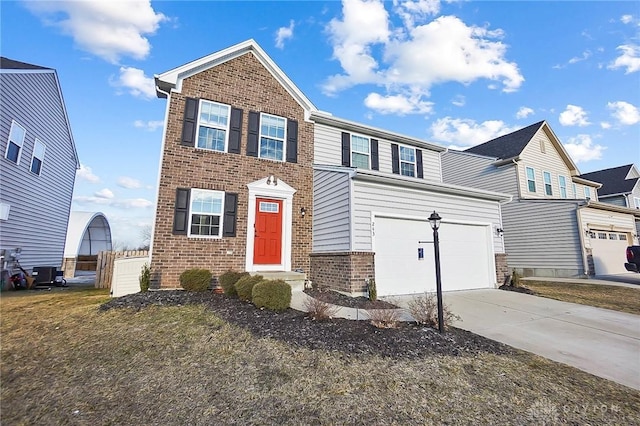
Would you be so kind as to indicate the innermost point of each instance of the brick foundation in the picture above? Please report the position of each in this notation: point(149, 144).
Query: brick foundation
point(502, 269)
point(346, 272)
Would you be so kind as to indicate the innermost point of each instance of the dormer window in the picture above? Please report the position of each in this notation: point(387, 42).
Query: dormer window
point(548, 189)
point(360, 154)
point(531, 179)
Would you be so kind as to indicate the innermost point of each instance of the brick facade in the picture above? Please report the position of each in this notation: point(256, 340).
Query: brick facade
point(242, 83)
point(347, 272)
point(502, 269)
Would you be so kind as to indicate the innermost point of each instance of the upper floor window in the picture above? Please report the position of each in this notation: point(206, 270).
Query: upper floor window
point(407, 161)
point(272, 137)
point(213, 126)
point(531, 179)
point(15, 142)
point(205, 213)
point(575, 190)
point(587, 192)
point(562, 182)
point(548, 189)
point(38, 157)
point(636, 202)
point(360, 153)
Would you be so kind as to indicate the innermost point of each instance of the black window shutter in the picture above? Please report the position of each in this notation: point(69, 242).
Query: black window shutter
point(190, 122)
point(253, 133)
point(235, 130)
point(346, 149)
point(181, 213)
point(375, 161)
point(230, 214)
point(419, 163)
point(395, 159)
point(292, 141)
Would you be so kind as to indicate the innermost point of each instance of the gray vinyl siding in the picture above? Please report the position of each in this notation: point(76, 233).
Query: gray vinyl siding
point(379, 198)
point(470, 170)
point(331, 211)
point(618, 200)
point(542, 235)
point(40, 205)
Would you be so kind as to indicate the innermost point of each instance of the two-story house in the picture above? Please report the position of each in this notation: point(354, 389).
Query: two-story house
point(253, 177)
point(37, 168)
point(555, 225)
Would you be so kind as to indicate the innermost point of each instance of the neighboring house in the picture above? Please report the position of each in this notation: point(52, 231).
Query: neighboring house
point(253, 177)
point(555, 225)
point(38, 165)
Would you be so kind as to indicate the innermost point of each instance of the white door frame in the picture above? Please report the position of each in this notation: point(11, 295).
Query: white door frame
point(278, 190)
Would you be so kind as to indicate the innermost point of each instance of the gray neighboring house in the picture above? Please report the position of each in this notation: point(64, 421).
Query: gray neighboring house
point(555, 225)
point(37, 168)
point(620, 187)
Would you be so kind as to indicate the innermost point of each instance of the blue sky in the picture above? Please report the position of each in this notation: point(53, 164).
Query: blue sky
point(453, 73)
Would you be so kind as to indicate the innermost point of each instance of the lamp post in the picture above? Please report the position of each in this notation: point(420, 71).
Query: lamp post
point(434, 219)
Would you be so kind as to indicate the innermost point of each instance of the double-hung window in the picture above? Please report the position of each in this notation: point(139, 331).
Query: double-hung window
point(562, 182)
point(272, 137)
point(407, 161)
point(206, 213)
point(38, 157)
point(587, 192)
point(213, 126)
point(636, 202)
point(548, 189)
point(15, 142)
point(360, 153)
point(575, 190)
point(531, 179)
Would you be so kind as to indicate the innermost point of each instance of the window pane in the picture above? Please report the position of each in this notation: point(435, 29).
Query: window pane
point(206, 202)
point(271, 148)
point(272, 127)
point(209, 138)
point(36, 165)
point(205, 225)
point(17, 133)
point(407, 154)
point(532, 186)
point(359, 160)
point(407, 169)
point(214, 114)
point(530, 174)
point(13, 152)
point(360, 144)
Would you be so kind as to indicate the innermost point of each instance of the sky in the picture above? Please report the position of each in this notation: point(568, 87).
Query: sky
point(453, 73)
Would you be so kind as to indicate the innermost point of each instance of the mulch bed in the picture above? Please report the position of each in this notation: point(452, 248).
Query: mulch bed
point(340, 299)
point(350, 337)
point(518, 289)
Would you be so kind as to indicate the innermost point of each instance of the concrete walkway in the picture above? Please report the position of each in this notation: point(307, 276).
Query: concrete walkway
point(599, 341)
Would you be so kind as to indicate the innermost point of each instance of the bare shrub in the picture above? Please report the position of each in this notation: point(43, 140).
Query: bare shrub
point(384, 318)
point(424, 309)
point(319, 309)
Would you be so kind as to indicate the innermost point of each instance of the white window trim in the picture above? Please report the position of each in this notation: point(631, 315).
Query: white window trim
point(561, 186)
point(21, 144)
point(532, 180)
point(400, 161)
point(575, 190)
point(284, 139)
point(33, 155)
point(544, 181)
point(213, 126)
point(368, 154)
point(213, 237)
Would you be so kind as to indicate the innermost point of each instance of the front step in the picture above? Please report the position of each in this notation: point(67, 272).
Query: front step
point(294, 279)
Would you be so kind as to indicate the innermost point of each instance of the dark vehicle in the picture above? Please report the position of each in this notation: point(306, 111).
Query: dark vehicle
point(633, 259)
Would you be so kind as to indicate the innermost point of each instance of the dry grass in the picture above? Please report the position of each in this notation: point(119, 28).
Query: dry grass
point(617, 298)
point(63, 362)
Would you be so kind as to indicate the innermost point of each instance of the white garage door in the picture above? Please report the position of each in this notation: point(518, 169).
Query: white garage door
point(608, 250)
point(466, 259)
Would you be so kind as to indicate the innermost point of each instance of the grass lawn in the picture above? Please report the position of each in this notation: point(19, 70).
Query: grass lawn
point(65, 362)
point(618, 298)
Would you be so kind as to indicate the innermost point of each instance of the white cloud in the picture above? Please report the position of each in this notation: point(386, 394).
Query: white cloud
point(581, 149)
point(585, 55)
point(459, 101)
point(626, 19)
point(524, 112)
point(629, 59)
point(574, 116)
point(135, 82)
point(151, 126)
point(105, 193)
point(129, 182)
point(108, 29)
point(284, 33)
point(85, 173)
point(464, 133)
point(624, 112)
point(397, 104)
point(416, 11)
point(605, 125)
point(124, 203)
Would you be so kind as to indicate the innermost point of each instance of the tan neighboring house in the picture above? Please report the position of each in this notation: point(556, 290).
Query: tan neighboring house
point(555, 225)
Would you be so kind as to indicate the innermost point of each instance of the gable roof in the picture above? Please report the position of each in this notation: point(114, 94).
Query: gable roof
point(614, 180)
point(172, 79)
point(11, 64)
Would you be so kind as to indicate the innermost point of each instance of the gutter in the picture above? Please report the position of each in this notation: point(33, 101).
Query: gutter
point(578, 179)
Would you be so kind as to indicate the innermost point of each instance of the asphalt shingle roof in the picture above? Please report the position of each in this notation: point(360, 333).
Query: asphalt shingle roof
point(10, 64)
point(507, 146)
point(613, 180)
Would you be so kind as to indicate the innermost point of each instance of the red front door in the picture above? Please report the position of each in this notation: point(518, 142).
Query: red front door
point(267, 246)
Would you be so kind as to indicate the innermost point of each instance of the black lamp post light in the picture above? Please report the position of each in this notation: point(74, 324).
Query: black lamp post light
point(435, 219)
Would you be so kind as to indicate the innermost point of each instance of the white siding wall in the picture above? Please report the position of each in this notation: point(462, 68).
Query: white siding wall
point(379, 198)
point(600, 219)
point(478, 172)
point(40, 205)
point(331, 217)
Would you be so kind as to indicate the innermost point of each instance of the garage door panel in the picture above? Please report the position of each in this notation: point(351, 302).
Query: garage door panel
point(608, 251)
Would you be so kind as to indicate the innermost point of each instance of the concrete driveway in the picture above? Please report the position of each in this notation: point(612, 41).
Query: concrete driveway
point(600, 341)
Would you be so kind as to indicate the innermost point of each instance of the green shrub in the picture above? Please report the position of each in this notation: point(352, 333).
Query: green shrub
point(244, 286)
point(145, 278)
point(373, 291)
point(195, 279)
point(515, 279)
point(228, 281)
point(272, 294)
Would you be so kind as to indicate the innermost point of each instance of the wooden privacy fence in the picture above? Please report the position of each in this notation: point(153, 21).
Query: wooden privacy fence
point(104, 268)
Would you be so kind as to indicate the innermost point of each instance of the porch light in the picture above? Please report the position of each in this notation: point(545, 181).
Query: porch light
point(303, 211)
point(435, 219)
point(499, 232)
